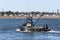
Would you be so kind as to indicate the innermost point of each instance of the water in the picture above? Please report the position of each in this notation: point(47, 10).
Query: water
point(8, 30)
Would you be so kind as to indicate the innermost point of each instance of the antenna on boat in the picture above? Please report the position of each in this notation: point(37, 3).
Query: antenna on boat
point(38, 19)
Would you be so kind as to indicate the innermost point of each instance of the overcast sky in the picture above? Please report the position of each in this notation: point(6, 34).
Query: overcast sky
point(30, 5)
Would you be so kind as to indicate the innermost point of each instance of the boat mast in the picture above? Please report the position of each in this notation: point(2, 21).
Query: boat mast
point(29, 19)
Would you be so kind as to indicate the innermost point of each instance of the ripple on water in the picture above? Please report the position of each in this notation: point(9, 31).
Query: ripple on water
point(12, 24)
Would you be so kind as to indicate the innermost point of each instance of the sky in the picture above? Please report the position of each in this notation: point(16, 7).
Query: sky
point(30, 5)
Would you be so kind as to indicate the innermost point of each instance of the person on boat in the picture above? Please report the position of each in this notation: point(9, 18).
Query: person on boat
point(45, 27)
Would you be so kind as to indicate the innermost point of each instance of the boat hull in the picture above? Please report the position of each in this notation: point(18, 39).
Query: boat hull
point(33, 29)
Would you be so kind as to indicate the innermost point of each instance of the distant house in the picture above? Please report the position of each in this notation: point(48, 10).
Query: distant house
point(10, 13)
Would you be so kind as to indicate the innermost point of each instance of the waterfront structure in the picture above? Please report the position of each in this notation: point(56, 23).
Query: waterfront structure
point(24, 14)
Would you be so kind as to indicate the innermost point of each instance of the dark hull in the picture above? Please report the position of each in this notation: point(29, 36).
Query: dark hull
point(34, 29)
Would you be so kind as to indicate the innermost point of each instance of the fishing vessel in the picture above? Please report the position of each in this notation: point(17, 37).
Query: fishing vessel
point(29, 26)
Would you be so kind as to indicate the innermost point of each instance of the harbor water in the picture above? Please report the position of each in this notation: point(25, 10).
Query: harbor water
point(8, 30)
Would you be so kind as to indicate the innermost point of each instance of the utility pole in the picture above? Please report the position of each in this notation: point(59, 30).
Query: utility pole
point(2, 9)
point(57, 11)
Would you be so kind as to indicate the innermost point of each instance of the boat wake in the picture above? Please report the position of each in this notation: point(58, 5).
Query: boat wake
point(52, 31)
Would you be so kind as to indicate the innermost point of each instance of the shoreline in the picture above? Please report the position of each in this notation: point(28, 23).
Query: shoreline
point(23, 17)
